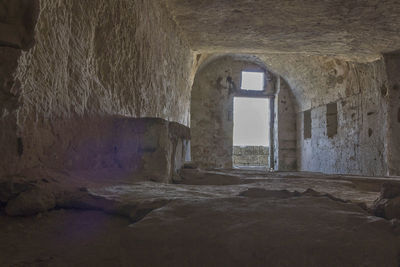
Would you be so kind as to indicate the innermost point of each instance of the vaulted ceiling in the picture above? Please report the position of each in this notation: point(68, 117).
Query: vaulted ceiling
point(325, 27)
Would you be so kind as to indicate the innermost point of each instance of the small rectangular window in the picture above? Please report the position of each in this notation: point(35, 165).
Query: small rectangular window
point(331, 119)
point(307, 124)
point(252, 81)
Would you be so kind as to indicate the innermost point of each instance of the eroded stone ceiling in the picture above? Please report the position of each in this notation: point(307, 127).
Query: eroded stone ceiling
point(343, 27)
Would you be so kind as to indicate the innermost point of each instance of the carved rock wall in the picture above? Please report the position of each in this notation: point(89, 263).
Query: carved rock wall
point(392, 64)
point(106, 57)
point(137, 148)
point(93, 60)
point(360, 93)
point(285, 128)
point(17, 22)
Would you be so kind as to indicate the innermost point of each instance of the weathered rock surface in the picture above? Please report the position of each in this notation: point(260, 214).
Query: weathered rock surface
point(108, 63)
point(356, 89)
point(28, 197)
point(17, 23)
point(31, 203)
point(91, 61)
point(133, 148)
point(201, 177)
point(134, 210)
point(105, 58)
point(76, 103)
point(208, 232)
point(250, 218)
point(12, 186)
point(392, 65)
point(263, 193)
point(314, 27)
point(387, 205)
point(390, 190)
point(256, 232)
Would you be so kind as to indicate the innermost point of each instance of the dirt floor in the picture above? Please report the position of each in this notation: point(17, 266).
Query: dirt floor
point(209, 218)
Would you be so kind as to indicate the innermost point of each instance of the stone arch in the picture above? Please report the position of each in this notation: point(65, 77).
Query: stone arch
point(285, 126)
point(216, 82)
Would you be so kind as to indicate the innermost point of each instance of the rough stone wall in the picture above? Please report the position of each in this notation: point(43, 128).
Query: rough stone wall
point(251, 156)
point(93, 60)
point(8, 106)
point(353, 29)
point(359, 91)
point(211, 112)
point(106, 57)
point(137, 148)
point(215, 85)
point(392, 64)
point(17, 21)
point(285, 138)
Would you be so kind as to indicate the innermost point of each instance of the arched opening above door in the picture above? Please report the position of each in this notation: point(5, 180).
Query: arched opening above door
point(218, 85)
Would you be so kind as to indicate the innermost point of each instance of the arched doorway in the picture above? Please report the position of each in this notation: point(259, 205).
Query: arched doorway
point(217, 83)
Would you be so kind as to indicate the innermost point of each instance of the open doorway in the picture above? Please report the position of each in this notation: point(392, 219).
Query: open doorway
point(213, 114)
point(251, 132)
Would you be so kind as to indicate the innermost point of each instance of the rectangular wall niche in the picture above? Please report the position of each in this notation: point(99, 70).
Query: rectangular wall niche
point(331, 120)
point(307, 124)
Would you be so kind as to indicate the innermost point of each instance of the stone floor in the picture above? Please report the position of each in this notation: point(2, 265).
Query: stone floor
point(208, 218)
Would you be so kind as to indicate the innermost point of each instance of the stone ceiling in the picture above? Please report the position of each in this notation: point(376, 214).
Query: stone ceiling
point(325, 27)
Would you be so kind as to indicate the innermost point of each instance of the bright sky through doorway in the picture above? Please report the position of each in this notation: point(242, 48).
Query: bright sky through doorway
point(251, 121)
